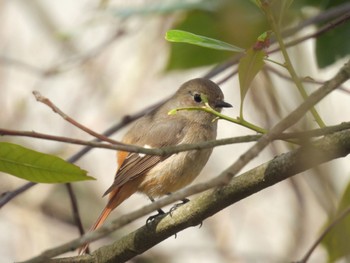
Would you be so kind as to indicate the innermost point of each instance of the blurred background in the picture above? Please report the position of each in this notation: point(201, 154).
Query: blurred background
point(101, 60)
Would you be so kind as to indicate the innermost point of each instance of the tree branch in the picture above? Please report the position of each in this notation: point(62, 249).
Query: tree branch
point(212, 201)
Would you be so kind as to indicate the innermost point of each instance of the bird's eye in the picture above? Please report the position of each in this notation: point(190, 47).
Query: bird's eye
point(197, 97)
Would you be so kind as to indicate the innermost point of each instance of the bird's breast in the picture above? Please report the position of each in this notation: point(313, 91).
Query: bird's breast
point(178, 170)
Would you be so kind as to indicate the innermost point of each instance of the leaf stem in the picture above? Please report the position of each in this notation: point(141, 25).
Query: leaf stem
point(239, 121)
point(288, 64)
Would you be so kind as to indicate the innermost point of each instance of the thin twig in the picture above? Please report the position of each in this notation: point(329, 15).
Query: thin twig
point(75, 209)
point(51, 105)
point(330, 25)
point(306, 80)
point(22, 65)
point(183, 147)
point(8, 196)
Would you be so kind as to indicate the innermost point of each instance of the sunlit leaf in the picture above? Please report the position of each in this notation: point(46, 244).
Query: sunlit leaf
point(38, 167)
point(180, 36)
point(183, 56)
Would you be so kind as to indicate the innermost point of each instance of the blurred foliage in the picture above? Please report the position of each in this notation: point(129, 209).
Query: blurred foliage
point(337, 241)
point(240, 22)
point(335, 43)
point(235, 22)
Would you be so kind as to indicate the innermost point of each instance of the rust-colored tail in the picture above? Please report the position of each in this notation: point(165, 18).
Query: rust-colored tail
point(116, 197)
point(100, 220)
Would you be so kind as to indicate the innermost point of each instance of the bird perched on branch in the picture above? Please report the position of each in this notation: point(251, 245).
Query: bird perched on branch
point(154, 175)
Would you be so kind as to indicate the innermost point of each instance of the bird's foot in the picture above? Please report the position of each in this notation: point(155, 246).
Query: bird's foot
point(176, 206)
point(152, 218)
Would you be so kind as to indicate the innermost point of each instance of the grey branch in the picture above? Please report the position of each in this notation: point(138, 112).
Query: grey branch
point(212, 201)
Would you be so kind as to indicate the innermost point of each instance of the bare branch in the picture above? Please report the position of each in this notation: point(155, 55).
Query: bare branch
point(51, 105)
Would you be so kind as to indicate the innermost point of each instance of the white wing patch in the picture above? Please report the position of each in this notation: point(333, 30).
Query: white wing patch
point(145, 146)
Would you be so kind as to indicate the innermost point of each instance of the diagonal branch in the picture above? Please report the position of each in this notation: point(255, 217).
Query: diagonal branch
point(212, 201)
point(55, 109)
point(224, 178)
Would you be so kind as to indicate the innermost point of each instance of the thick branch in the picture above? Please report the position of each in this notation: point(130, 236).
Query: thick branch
point(220, 180)
point(212, 201)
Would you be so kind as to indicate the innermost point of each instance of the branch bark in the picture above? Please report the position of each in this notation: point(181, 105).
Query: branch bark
point(226, 177)
point(212, 201)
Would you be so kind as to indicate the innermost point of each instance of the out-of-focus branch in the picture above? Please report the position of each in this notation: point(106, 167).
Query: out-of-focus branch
point(306, 80)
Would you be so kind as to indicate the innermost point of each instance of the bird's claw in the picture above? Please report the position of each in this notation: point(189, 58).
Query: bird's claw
point(176, 206)
point(152, 218)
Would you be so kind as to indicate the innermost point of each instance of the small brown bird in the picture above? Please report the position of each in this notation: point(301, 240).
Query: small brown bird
point(156, 176)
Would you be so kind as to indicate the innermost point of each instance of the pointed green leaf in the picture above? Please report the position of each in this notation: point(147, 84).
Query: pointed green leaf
point(337, 240)
point(202, 41)
point(250, 64)
point(38, 167)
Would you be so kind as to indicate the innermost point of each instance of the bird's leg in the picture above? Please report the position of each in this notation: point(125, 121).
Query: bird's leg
point(160, 212)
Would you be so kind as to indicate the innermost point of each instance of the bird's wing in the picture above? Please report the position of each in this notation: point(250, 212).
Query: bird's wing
point(136, 164)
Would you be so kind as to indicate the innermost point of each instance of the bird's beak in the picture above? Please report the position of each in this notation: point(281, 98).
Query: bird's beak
point(222, 104)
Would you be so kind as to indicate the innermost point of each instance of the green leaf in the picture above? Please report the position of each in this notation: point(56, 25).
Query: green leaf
point(333, 45)
point(248, 67)
point(180, 36)
point(38, 167)
point(337, 240)
point(238, 22)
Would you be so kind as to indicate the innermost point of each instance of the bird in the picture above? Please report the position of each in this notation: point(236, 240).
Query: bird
point(154, 175)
